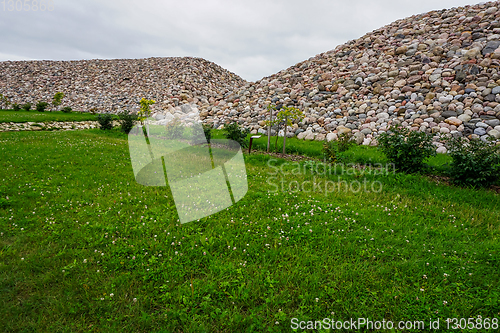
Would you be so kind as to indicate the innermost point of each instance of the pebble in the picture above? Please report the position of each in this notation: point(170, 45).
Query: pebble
point(480, 131)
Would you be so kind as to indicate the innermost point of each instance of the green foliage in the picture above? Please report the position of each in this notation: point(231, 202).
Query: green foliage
point(332, 151)
point(233, 131)
point(4, 100)
point(271, 122)
point(286, 117)
point(16, 107)
point(26, 106)
point(105, 121)
point(66, 109)
point(475, 162)
point(207, 130)
point(288, 114)
point(406, 149)
point(41, 106)
point(145, 110)
point(174, 129)
point(57, 99)
point(127, 121)
point(344, 142)
point(203, 131)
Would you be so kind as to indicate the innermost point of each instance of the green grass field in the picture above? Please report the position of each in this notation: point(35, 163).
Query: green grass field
point(84, 248)
point(47, 116)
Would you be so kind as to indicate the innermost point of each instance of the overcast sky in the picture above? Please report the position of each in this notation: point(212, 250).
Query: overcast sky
point(251, 38)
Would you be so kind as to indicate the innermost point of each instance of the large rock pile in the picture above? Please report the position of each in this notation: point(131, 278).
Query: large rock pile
point(113, 85)
point(436, 72)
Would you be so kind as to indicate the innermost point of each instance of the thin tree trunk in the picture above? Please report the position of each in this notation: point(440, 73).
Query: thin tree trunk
point(277, 136)
point(284, 136)
point(269, 130)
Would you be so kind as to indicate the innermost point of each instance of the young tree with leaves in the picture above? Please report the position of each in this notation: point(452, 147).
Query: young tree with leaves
point(287, 115)
point(57, 99)
point(270, 123)
point(145, 109)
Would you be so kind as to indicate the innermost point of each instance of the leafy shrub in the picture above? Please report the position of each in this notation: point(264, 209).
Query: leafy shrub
point(344, 142)
point(105, 121)
point(127, 121)
point(174, 129)
point(145, 109)
point(16, 107)
point(207, 130)
point(406, 149)
point(475, 162)
point(41, 106)
point(234, 132)
point(332, 150)
point(66, 109)
point(26, 106)
point(57, 99)
point(202, 132)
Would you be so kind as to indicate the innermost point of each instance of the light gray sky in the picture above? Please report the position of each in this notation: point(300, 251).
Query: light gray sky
point(253, 38)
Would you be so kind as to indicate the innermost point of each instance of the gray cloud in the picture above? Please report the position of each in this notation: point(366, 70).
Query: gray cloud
point(250, 38)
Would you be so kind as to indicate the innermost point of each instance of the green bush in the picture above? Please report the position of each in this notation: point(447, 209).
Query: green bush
point(406, 149)
point(207, 130)
point(202, 132)
point(127, 121)
point(67, 109)
point(344, 142)
point(105, 121)
point(16, 107)
point(234, 132)
point(41, 106)
point(174, 129)
point(332, 151)
point(474, 162)
point(26, 106)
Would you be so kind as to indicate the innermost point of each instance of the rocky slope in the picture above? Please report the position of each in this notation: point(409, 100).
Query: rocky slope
point(112, 85)
point(436, 72)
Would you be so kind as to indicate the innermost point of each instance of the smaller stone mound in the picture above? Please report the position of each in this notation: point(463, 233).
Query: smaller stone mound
point(113, 85)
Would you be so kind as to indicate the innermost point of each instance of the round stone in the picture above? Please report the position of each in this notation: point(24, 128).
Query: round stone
point(480, 131)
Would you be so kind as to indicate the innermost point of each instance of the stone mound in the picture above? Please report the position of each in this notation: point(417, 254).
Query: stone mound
point(113, 85)
point(436, 72)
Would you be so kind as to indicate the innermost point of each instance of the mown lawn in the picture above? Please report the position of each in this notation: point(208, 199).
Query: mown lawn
point(22, 116)
point(84, 248)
